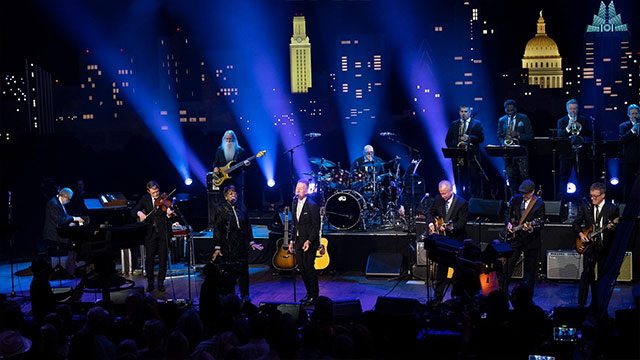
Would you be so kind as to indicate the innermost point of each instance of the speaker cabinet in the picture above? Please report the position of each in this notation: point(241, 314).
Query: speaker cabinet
point(384, 264)
point(294, 309)
point(347, 311)
point(396, 305)
point(518, 271)
point(626, 269)
point(564, 265)
point(421, 254)
point(203, 247)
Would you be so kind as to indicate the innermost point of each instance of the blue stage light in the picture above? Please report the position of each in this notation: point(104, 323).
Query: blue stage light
point(571, 188)
point(188, 181)
point(614, 181)
point(271, 183)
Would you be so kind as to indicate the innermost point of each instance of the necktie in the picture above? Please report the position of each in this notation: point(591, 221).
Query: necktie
point(466, 124)
point(523, 207)
point(446, 206)
point(597, 218)
point(236, 215)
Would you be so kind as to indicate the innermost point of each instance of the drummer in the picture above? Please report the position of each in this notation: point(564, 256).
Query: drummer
point(368, 162)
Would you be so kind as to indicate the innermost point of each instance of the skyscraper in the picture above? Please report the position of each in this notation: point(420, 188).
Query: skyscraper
point(608, 70)
point(300, 57)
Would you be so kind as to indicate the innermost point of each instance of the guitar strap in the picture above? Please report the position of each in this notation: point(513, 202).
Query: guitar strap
point(528, 209)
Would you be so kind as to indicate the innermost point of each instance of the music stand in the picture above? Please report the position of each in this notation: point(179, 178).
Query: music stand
point(552, 146)
point(506, 152)
point(608, 149)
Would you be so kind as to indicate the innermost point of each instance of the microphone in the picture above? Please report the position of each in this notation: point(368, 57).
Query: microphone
point(295, 196)
point(387, 133)
point(313, 135)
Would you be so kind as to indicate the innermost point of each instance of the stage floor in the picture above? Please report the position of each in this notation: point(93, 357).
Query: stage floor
point(267, 286)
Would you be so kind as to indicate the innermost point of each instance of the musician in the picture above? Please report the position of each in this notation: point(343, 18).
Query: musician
point(306, 237)
point(56, 215)
point(466, 133)
point(158, 232)
point(229, 150)
point(575, 128)
point(595, 215)
point(514, 128)
point(451, 209)
point(368, 156)
point(525, 210)
point(232, 239)
point(630, 136)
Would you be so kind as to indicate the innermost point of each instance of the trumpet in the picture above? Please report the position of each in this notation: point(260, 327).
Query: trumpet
point(510, 140)
point(575, 128)
point(576, 140)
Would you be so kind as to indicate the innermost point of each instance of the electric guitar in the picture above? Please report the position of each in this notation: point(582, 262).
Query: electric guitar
point(592, 236)
point(224, 171)
point(322, 254)
point(284, 259)
point(509, 236)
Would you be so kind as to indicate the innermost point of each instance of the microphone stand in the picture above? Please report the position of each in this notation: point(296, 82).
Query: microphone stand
point(411, 223)
point(189, 243)
point(290, 151)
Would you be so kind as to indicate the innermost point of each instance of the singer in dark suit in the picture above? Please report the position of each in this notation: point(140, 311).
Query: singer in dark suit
point(56, 215)
point(466, 133)
point(526, 210)
point(158, 232)
point(452, 209)
point(596, 214)
point(575, 128)
point(516, 128)
point(630, 136)
point(306, 237)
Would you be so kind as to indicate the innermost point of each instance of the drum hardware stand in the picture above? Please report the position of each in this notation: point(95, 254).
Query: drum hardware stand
point(290, 151)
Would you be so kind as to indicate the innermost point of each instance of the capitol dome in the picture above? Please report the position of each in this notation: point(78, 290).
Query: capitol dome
point(542, 59)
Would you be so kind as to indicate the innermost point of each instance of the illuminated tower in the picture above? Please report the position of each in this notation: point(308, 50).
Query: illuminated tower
point(608, 72)
point(542, 58)
point(300, 56)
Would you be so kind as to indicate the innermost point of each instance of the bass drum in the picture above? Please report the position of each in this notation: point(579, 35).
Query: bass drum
point(343, 209)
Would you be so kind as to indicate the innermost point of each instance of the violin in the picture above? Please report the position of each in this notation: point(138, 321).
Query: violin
point(162, 202)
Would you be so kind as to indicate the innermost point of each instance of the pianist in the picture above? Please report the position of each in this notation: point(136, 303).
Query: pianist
point(56, 215)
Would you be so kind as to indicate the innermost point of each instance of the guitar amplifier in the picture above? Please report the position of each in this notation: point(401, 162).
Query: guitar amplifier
point(626, 269)
point(518, 271)
point(564, 265)
point(421, 254)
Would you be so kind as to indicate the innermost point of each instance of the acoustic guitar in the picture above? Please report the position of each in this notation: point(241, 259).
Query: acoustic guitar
point(284, 258)
point(592, 236)
point(439, 222)
point(509, 236)
point(224, 171)
point(322, 254)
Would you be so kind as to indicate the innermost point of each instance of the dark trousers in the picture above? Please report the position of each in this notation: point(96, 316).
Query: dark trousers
point(467, 177)
point(441, 282)
point(582, 177)
point(530, 267)
point(235, 271)
point(630, 171)
point(588, 277)
point(305, 262)
point(516, 169)
point(156, 245)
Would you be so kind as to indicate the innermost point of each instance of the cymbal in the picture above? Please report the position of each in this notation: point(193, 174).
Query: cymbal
point(322, 162)
point(374, 162)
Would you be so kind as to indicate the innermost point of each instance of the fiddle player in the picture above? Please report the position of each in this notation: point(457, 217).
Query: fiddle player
point(149, 209)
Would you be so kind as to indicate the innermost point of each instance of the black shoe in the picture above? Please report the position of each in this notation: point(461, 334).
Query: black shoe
point(310, 301)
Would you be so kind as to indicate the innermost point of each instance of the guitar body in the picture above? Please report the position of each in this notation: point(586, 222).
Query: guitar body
point(222, 176)
point(581, 246)
point(283, 260)
point(322, 255)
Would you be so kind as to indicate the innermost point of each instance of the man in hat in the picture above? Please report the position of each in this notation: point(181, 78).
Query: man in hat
point(525, 218)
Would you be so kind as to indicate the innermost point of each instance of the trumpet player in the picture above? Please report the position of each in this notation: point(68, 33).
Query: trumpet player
point(466, 133)
point(573, 127)
point(514, 128)
point(630, 136)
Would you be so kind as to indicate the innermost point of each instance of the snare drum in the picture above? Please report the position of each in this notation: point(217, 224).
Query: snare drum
point(343, 209)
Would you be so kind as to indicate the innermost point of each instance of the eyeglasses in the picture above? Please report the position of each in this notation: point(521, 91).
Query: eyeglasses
point(595, 196)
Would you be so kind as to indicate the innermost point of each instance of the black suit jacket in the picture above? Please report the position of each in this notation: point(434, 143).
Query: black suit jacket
point(233, 241)
point(523, 127)
point(237, 177)
point(630, 143)
point(157, 224)
point(561, 131)
point(54, 217)
point(457, 215)
point(586, 218)
point(514, 213)
point(308, 226)
point(475, 132)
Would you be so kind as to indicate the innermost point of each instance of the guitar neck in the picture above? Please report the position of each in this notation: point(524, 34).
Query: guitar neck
point(241, 163)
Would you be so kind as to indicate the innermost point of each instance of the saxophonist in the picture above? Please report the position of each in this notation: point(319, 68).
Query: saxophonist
point(466, 133)
point(575, 128)
point(515, 129)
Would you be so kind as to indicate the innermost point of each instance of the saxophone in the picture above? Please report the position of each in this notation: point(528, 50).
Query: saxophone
point(509, 139)
point(461, 143)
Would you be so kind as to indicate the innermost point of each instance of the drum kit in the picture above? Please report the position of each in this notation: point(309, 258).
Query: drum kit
point(364, 198)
